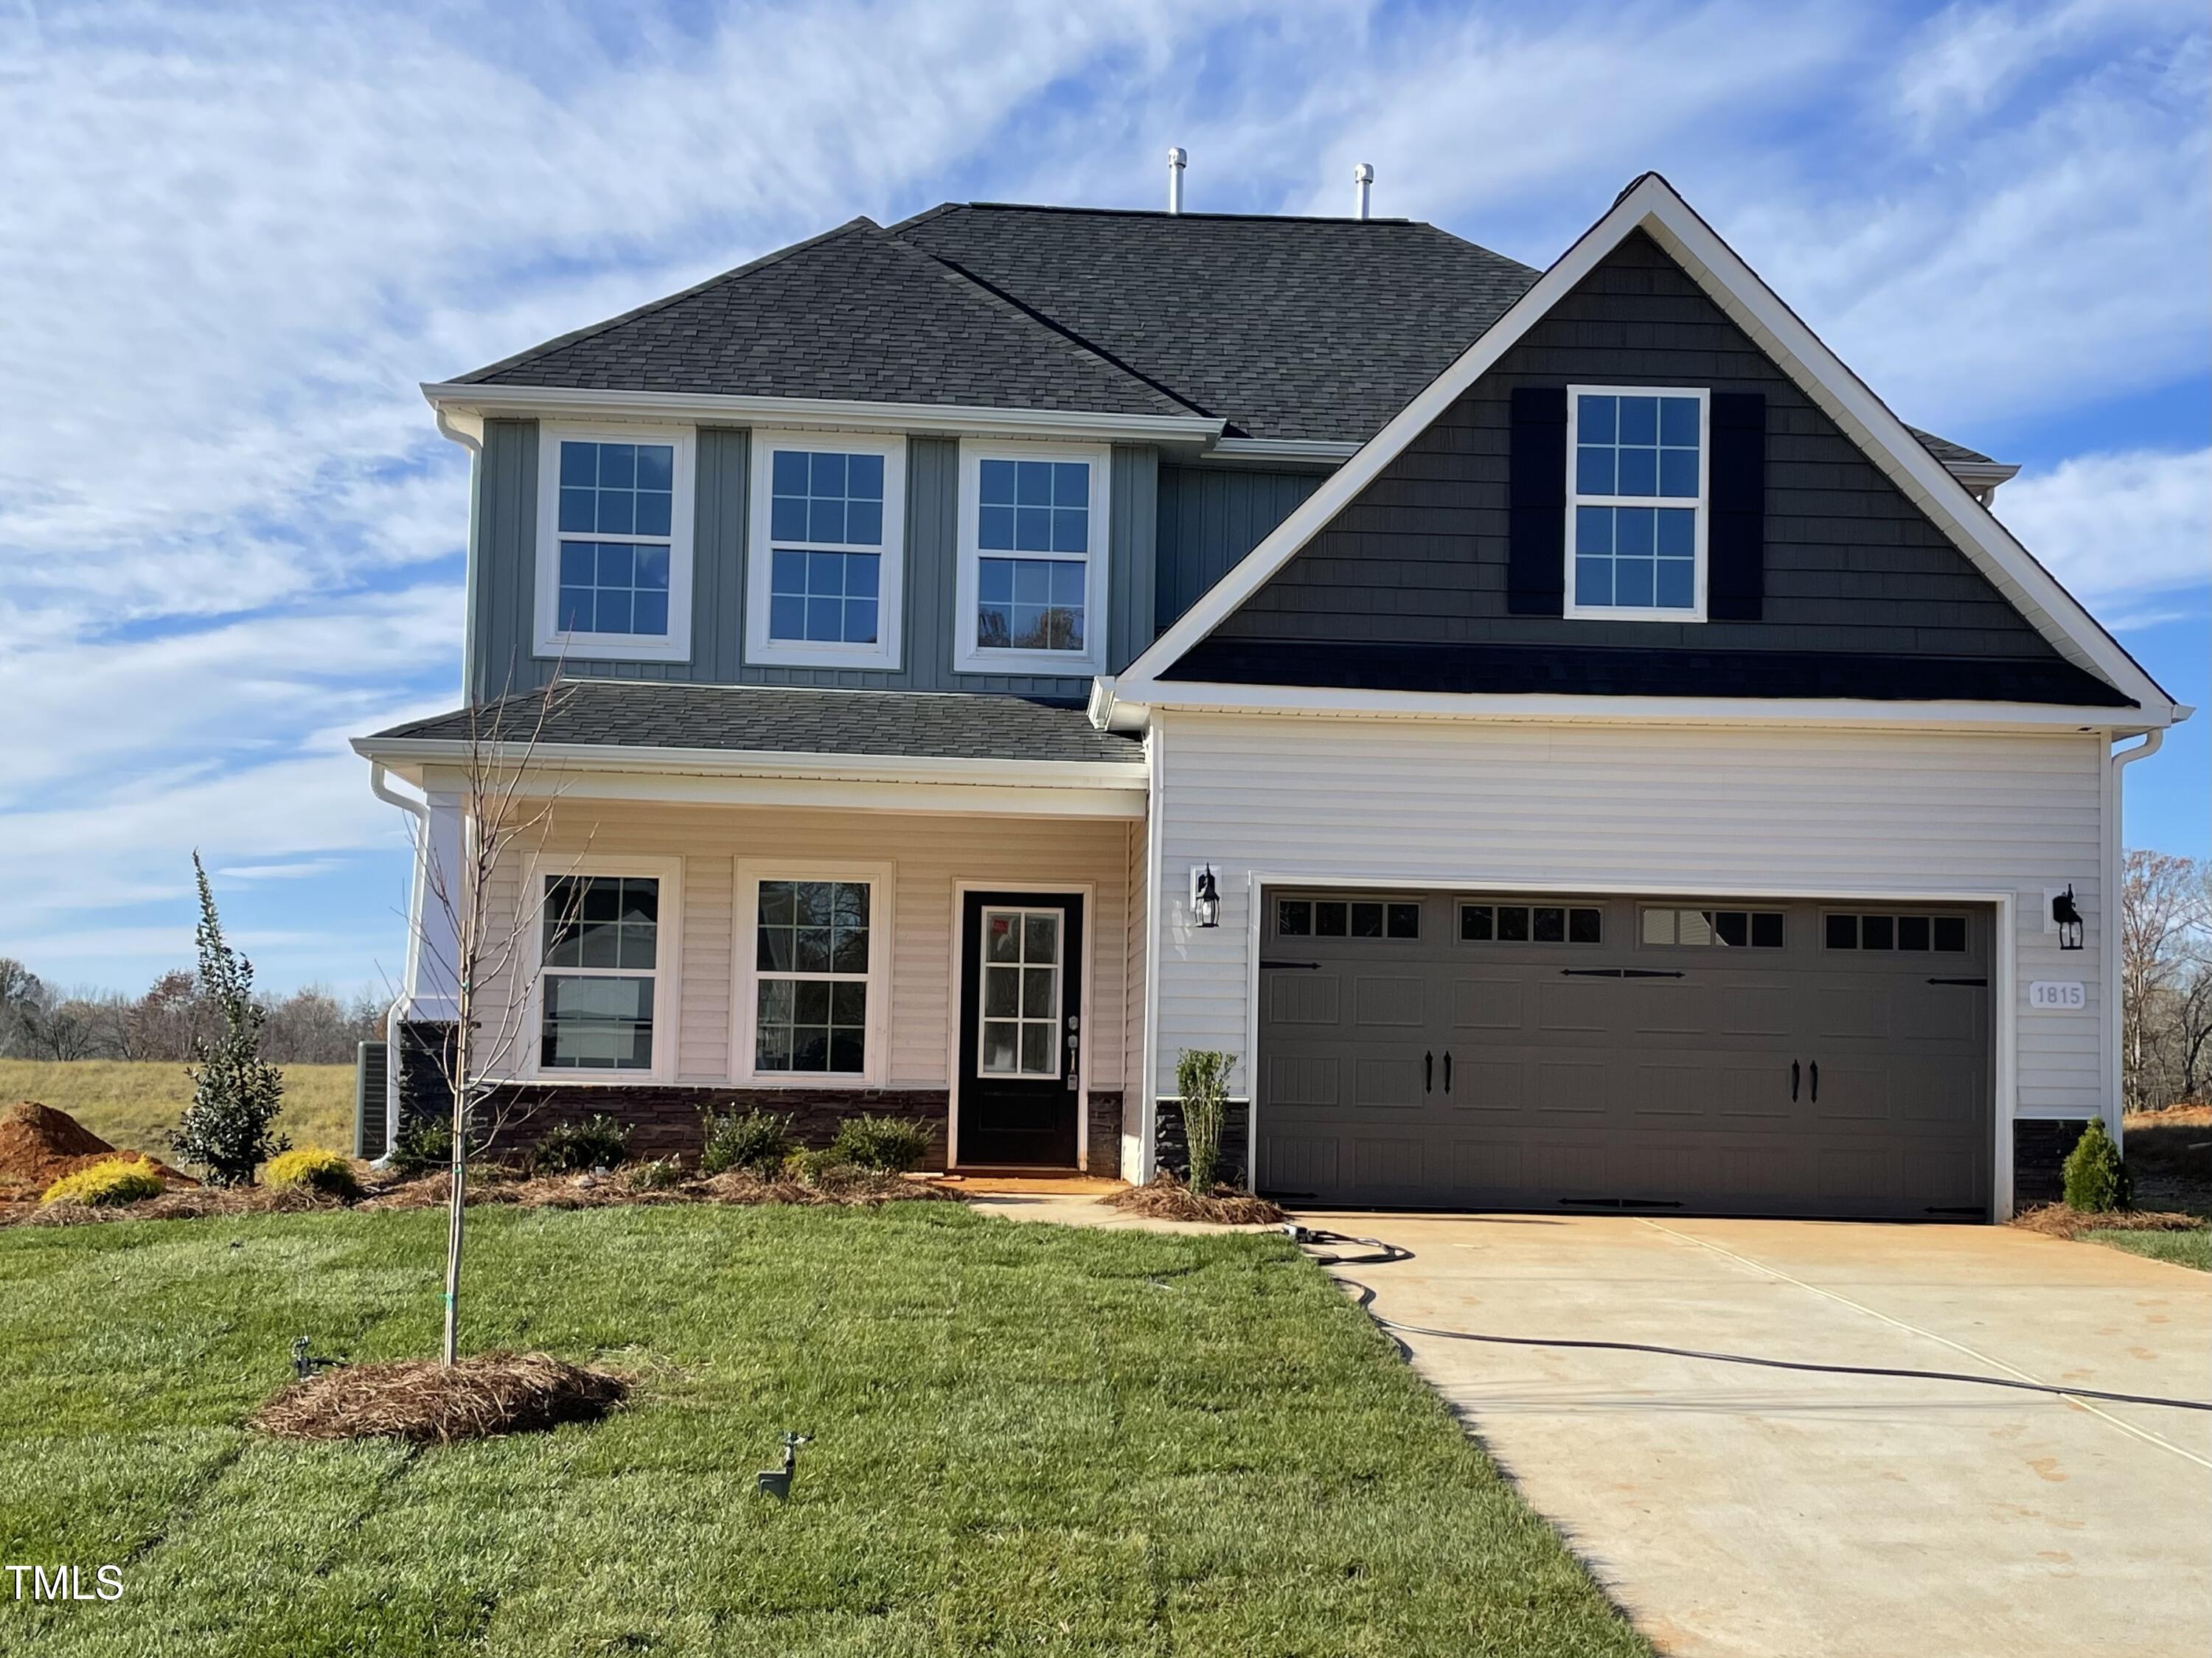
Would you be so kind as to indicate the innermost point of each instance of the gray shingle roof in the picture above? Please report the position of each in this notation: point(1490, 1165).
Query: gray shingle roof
point(1283, 327)
point(855, 313)
point(661, 713)
point(1286, 327)
point(1946, 451)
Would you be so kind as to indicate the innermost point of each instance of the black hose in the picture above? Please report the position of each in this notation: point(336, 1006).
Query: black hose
point(1367, 1298)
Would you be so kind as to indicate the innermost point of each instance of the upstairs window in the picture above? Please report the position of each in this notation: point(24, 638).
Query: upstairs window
point(1636, 503)
point(1032, 585)
point(614, 556)
point(827, 558)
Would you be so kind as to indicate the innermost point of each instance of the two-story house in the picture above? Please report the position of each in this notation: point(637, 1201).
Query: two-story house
point(1560, 732)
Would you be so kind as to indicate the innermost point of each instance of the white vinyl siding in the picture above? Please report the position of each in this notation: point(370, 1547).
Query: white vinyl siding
point(932, 851)
point(1698, 811)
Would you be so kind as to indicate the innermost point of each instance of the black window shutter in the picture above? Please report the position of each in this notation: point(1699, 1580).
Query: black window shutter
point(1536, 542)
point(1735, 542)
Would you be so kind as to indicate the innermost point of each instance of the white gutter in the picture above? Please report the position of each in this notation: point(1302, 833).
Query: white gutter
point(832, 414)
point(403, 1003)
point(2116, 763)
point(631, 757)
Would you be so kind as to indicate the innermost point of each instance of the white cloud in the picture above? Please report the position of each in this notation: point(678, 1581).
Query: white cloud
point(2117, 527)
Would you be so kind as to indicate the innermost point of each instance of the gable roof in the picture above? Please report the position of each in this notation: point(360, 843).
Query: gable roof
point(854, 313)
point(1287, 328)
point(1651, 204)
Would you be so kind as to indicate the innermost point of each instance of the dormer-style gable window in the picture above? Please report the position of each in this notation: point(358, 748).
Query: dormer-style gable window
point(1637, 502)
point(614, 543)
point(1033, 541)
point(826, 558)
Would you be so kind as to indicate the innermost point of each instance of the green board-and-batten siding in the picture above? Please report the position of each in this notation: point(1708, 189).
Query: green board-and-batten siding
point(503, 580)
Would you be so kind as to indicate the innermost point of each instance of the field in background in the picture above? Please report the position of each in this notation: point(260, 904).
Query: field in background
point(130, 1103)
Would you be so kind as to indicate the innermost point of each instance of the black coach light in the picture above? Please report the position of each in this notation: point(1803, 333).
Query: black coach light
point(2066, 916)
point(1205, 897)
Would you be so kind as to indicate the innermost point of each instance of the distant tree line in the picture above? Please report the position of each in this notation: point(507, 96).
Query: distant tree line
point(2166, 980)
point(38, 1021)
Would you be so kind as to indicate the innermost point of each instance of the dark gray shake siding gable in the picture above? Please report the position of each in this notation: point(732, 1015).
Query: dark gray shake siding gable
point(1851, 565)
point(502, 597)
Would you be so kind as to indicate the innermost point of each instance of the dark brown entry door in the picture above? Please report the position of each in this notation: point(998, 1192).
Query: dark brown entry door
point(1021, 1035)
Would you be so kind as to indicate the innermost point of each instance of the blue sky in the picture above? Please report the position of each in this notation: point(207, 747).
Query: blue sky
point(235, 241)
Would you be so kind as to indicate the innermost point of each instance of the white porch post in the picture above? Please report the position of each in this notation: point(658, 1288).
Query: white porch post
point(432, 990)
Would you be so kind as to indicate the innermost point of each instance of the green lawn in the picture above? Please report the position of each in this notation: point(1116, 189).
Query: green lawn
point(2181, 1249)
point(1030, 1438)
point(127, 1102)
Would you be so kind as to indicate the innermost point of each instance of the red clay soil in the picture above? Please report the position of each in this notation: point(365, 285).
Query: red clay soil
point(39, 1144)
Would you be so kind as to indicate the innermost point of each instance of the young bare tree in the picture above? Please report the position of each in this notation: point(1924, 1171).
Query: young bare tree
point(485, 956)
point(2162, 923)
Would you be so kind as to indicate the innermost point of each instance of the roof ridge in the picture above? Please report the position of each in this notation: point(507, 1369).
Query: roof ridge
point(1372, 222)
point(775, 256)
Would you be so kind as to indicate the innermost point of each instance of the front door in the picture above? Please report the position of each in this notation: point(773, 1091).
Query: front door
point(1021, 1035)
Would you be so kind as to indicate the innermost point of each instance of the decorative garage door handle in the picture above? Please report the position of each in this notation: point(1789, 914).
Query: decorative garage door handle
point(1429, 1072)
point(1447, 1071)
point(1622, 973)
point(1794, 1076)
point(1815, 1068)
point(1978, 983)
point(1292, 966)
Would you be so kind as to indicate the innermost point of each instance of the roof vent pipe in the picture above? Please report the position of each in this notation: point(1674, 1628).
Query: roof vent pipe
point(1362, 177)
point(1176, 160)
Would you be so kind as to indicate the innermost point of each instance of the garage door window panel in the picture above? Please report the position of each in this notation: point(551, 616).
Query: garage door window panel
point(1347, 918)
point(1725, 929)
point(1522, 924)
point(1912, 934)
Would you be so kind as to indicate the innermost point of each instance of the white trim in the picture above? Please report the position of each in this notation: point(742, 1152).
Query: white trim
point(1156, 918)
point(962, 887)
point(1651, 204)
point(549, 640)
point(828, 414)
point(968, 657)
point(1283, 452)
point(667, 965)
point(1128, 712)
point(745, 939)
point(2004, 1087)
point(1700, 514)
point(890, 606)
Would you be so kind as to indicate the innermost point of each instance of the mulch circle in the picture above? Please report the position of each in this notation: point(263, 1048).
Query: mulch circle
point(424, 1402)
point(1165, 1198)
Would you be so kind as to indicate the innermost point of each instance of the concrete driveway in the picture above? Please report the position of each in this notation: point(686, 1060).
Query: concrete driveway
point(1736, 1511)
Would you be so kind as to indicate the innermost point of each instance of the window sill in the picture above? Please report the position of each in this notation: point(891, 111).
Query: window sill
point(612, 647)
point(1603, 613)
point(1058, 665)
point(794, 653)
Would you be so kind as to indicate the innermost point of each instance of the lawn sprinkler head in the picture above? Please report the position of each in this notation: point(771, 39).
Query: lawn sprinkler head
point(306, 1364)
point(776, 1482)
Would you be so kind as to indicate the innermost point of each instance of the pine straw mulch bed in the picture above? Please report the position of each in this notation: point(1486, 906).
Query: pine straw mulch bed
point(427, 1403)
point(1165, 1198)
point(855, 1189)
point(2056, 1220)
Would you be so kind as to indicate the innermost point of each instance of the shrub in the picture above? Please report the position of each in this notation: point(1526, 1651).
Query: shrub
point(115, 1179)
point(888, 1145)
point(2096, 1178)
point(758, 1140)
point(818, 1168)
point(421, 1145)
point(1202, 1079)
point(236, 1094)
point(597, 1142)
point(312, 1166)
point(658, 1175)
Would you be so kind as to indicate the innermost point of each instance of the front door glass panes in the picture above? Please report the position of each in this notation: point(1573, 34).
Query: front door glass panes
point(1022, 966)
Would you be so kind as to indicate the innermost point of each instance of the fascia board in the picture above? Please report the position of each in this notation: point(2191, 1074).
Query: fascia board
point(630, 758)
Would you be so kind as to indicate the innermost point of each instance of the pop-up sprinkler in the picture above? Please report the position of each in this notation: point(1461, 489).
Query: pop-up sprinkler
point(776, 1482)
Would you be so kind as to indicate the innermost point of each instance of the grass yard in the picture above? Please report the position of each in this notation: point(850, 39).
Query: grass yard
point(130, 1103)
point(1029, 1437)
point(2180, 1248)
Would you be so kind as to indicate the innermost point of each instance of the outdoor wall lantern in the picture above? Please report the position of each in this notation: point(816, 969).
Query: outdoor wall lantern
point(1205, 897)
point(2066, 916)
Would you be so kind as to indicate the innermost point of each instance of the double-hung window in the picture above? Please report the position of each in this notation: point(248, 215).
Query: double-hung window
point(605, 952)
point(1033, 540)
point(614, 543)
point(1636, 502)
point(814, 1002)
point(826, 567)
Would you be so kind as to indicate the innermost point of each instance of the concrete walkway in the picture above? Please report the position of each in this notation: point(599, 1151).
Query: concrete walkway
point(1736, 1511)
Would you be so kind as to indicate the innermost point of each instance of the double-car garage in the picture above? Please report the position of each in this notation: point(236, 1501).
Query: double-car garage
point(1569, 1052)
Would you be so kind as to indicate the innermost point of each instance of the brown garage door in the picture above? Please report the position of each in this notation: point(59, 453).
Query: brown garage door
point(1729, 1057)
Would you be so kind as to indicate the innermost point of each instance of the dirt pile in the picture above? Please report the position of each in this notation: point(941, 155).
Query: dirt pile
point(39, 1144)
point(1165, 1198)
point(424, 1402)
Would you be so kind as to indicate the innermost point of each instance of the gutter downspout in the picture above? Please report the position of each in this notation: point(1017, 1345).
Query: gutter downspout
point(380, 787)
point(2116, 1069)
point(452, 432)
